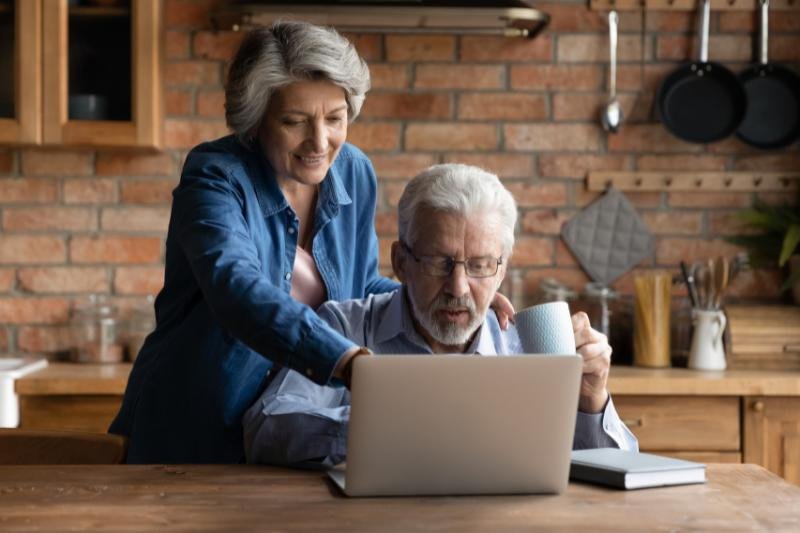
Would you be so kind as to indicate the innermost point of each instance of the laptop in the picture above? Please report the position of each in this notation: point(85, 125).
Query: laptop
point(460, 424)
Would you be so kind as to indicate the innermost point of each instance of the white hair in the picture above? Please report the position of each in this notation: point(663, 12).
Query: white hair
point(459, 189)
point(286, 52)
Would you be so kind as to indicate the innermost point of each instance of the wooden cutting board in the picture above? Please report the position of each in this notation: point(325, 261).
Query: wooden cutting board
point(763, 337)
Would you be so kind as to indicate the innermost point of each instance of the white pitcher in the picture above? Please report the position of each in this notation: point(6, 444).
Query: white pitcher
point(707, 352)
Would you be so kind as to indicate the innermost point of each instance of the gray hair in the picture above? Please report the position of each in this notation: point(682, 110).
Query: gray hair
point(271, 58)
point(460, 189)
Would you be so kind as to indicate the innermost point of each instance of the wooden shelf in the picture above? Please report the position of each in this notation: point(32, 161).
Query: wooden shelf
point(691, 5)
point(694, 181)
point(88, 11)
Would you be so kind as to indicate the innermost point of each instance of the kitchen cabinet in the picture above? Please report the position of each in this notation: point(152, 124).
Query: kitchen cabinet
point(84, 73)
point(772, 435)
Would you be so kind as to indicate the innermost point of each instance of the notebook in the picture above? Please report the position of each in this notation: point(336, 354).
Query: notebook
point(460, 424)
point(633, 470)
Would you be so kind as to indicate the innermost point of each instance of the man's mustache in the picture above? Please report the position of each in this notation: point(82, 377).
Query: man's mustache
point(449, 303)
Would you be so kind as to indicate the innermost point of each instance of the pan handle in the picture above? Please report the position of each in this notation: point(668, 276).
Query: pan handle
point(613, 21)
point(763, 43)
point(705, 15)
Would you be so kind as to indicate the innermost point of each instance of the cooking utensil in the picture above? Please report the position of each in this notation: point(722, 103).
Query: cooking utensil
point(700, 274)
point(721, 277)
point(772, 119)
point(690, 287)
point(702, 101)
point(611, 116)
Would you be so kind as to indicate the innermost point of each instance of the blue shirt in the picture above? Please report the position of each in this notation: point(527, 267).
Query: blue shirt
point(299, 423)
point(225, 313)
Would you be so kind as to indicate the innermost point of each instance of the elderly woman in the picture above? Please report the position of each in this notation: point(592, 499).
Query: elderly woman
point(266, 225)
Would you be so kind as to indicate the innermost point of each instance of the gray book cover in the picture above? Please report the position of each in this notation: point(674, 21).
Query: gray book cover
point(632, 470)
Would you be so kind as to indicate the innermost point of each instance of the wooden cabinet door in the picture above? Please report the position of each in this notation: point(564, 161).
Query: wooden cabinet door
point(81, 104)
point(772, 435)
point(20, 72)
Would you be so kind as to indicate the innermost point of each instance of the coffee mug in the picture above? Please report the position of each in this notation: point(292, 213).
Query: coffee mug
point(546, 329)
point(707, 352)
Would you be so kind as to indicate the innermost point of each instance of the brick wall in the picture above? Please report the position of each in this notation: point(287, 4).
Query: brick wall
point(82, 221)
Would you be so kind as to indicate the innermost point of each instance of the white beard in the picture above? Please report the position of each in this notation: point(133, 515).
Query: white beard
point(446, 332)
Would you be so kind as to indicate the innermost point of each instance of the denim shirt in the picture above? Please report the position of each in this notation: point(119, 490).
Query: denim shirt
point(225, 314)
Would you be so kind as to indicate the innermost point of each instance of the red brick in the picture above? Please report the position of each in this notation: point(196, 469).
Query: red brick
point(386, 223)
point(785, 161)
point(131, 164)
point(63, 279)
point(138, 280)
point(420, 47)
point(385, 251)
point(176, 44)
point(594, 48)
point(450, 136)
point(538, 195)
point(709, 199)
point(192, 73)
point(459, 77)
point(211, 104)
point(758, 284)
point(670, 21)
point(368, 45)
point(670, 251)
point(192, 14)
point(7, 279)
point(404, 165)
point(178, 102)
point(374, 135)
point(721, 48)
point(570, 17)
point(407, 105)
point(680, 162)
point(90, 191)
point(135, 219)
point(726, 223)
point(563, 256)
point(47, 339)
point(391, 193)
point(56, 163)
point(578, 165)
point(647, 78)
point(490, 48)
point(545, 221)
point(587, 106)
point(784, 24)
point(49, 218)
point(739, 21)
point(115, 249)
point(648, 138)
point(732, 145)
point(784, 48)
point(31, 249)
point(181, 133)
point(388, 76)
point(216, 45)
point(148, 191)
point(28, 191)
point(573, 278)
point(532, 251)
point(6, 162)
point(4, 344)
point(502, 106)
point(556, 77)
point(33, 310)
point(552, 137)
point(673, 223)
point(503, 164)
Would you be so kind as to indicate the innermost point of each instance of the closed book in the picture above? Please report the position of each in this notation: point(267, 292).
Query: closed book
point(633, 470)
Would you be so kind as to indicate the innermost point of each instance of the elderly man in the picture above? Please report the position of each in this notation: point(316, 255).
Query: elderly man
point(456, 226)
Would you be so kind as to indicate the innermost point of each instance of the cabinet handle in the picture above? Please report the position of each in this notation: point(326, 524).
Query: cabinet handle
point(633, 422)
point(758, 406)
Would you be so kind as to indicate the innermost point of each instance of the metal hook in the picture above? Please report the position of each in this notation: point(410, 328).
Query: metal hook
point(668, 181)
point(698, 182)
point(727, 181)
point(757, 181)
point(638, 182)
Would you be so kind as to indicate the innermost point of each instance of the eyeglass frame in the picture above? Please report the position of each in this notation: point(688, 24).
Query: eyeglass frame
point(452, 261)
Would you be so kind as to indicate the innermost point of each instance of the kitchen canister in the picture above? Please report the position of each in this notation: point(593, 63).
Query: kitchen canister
point(651, 333)
point(707, 351)
point(95, 331)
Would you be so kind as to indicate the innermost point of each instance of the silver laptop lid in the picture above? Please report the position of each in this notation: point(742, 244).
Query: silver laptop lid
point(458, 424)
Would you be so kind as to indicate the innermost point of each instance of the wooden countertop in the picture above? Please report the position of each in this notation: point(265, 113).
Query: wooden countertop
point(71, 378)
point(251, 498)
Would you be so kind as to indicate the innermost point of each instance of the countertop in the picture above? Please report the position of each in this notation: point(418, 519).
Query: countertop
point(255, 498)
point(71, 378)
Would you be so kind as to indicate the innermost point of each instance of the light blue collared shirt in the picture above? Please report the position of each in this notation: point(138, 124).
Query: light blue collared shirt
point(296, 422)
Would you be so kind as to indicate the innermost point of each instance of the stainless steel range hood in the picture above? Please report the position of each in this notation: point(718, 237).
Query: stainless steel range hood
point(499, 17)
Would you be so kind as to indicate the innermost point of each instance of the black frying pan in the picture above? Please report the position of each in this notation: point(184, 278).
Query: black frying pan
point(772, 119)
point(702, 102)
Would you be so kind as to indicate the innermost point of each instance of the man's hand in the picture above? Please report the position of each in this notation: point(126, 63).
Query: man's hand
point(503, 309)
point(344, 368)
point(594, 348)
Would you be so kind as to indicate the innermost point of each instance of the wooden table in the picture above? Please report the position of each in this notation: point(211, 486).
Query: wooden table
point(240, 497)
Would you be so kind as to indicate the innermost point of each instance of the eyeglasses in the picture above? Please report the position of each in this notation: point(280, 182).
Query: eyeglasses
point(442, 266)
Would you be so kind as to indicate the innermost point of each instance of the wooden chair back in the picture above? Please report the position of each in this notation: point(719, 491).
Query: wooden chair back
point(41, 447)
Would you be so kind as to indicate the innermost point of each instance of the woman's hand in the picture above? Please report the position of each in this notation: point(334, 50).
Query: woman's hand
point(503, 309)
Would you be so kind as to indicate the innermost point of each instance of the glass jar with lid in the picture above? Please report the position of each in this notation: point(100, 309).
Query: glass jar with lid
point(94, 328)
point(610, 314)
point(552, 290)
point(141, 323)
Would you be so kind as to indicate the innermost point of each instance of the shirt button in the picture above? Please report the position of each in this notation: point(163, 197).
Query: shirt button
point(309, 372)
point(288, 276)
point(291, 231)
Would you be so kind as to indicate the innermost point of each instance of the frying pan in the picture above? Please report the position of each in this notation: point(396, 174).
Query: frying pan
point(772, 119)
point(702, 101)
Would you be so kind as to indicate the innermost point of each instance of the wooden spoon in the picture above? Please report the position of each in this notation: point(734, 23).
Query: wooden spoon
point(721, 276)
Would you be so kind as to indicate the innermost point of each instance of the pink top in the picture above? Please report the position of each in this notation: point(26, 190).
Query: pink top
point(307, 285)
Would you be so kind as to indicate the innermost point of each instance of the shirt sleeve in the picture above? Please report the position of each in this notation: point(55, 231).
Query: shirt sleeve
point(297, 423)
point(603, 430)
point(209, 224)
